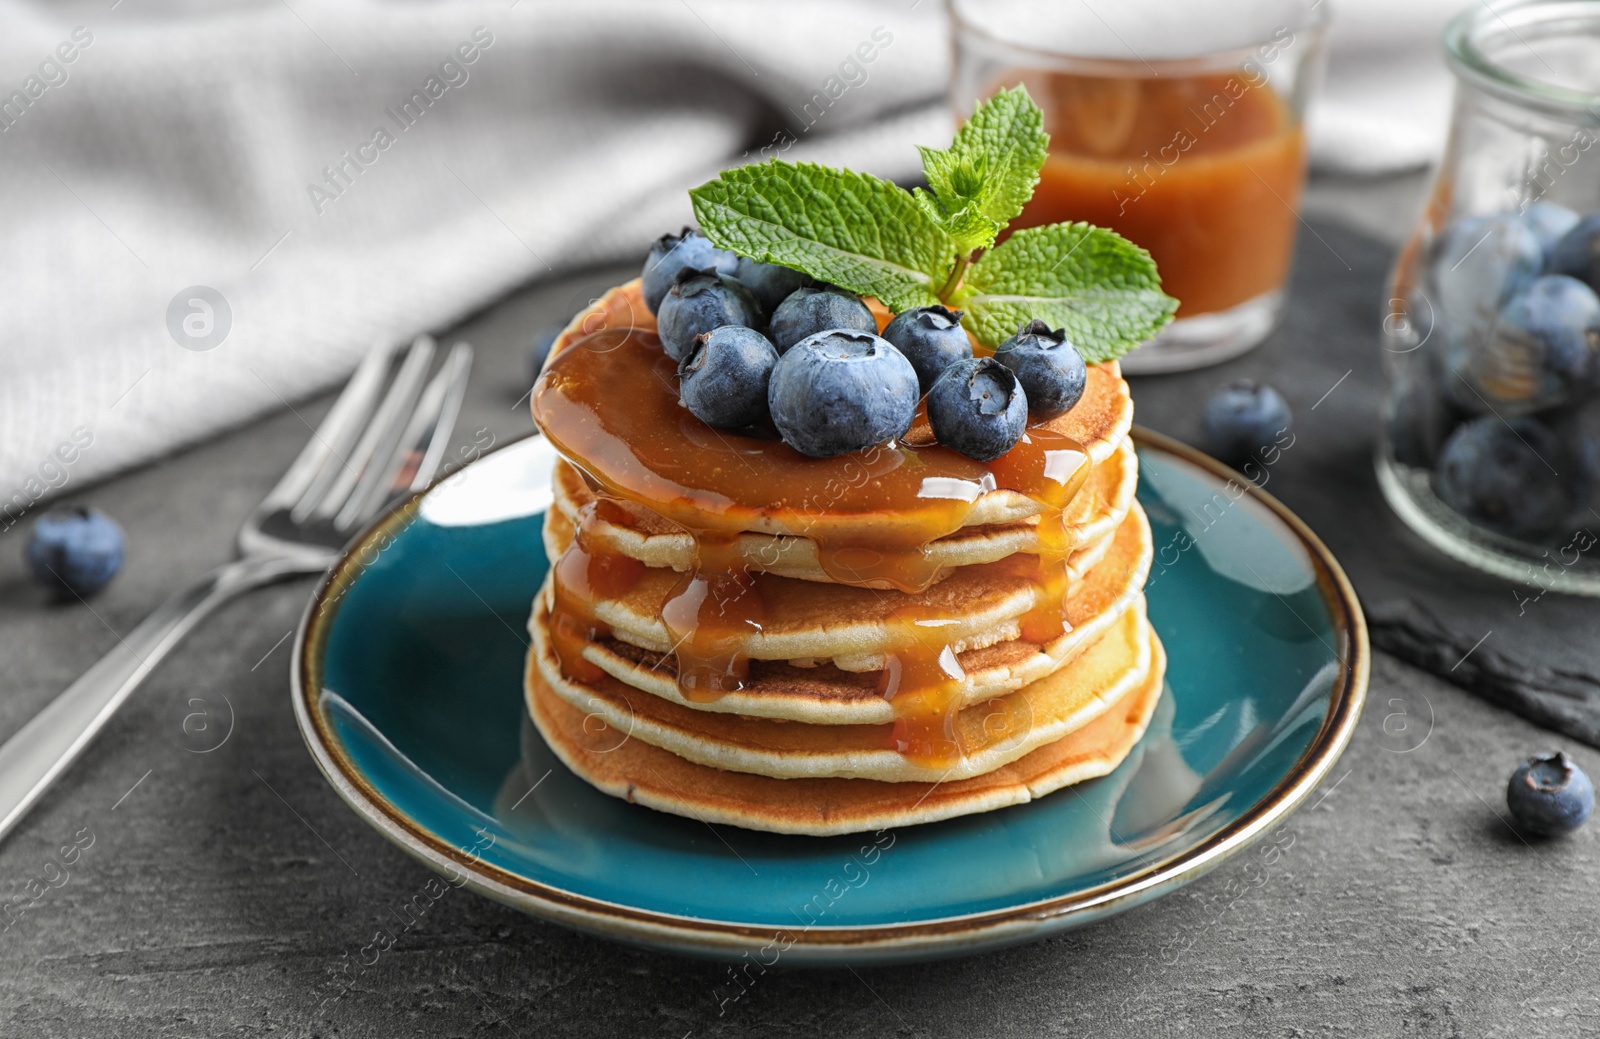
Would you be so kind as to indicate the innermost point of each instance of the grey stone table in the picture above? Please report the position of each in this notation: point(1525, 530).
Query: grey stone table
point(217, 893)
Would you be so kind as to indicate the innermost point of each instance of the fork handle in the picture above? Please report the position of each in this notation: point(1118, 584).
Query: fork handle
point(41, 750)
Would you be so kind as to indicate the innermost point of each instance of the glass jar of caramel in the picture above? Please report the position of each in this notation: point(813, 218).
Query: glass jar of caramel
point(1490, 446)
point(1177, 125)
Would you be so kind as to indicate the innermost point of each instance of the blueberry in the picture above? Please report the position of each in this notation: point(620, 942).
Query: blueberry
point(770, 283)
point(671, 253)
point(1577, 252)
point(75, 552)
point(1480, 263)
point(840, 391)
point(1467, 366)
point(1419, 419)
point(1539, 351)
point(1579, 430)
point(978, 407)
point(724, 379)
point(1050, 369)
point(1548, 222)
point(1243, 419)
point(809, 310)
point(1503, 474)
point(1455, 376)
point(932, 340)
point(539, 347)
point(1550, 795)
point(1545, 343)
point(698, 302)
point(1467, 351)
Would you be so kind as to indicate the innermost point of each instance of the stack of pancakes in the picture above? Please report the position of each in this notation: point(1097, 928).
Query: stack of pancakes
point(824, 672)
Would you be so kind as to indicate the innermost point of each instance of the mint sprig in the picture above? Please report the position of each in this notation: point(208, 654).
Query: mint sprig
point(982, 181)
point(918, 249)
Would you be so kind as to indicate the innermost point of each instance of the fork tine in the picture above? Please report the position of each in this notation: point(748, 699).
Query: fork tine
point(379, 438)
point(433, 438)
point(341, 423)
point(416, 455)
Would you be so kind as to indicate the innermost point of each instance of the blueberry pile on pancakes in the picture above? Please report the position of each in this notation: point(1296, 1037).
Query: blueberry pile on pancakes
point(836, 612)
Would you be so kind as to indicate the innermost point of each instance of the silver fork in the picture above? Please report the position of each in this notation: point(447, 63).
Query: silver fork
point(366, 453)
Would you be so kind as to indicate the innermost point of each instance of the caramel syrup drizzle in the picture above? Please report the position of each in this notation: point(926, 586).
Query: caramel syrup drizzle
point(584, 574)
point(608, 403)
point(712, 608)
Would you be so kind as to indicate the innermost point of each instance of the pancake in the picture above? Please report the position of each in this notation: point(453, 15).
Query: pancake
point(638, 533)
point(989, 734)
point(1004, 599)
point(636, 771)
point(1012, 574)
point(856, 628)
point(827, 695)
point(1099, 422)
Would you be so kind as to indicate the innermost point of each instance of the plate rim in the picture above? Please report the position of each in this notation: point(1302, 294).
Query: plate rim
point(698, 935)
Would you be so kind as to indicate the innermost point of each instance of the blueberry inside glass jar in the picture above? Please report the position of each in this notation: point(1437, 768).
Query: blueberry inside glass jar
point(1490, 441)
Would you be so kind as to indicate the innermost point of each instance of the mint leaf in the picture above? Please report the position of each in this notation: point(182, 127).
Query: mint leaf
point(967, 225)
point(1100, 287)
point(851, 229)
point(982, 181)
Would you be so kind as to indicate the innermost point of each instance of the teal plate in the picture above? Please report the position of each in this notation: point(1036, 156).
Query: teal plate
point(408, 689)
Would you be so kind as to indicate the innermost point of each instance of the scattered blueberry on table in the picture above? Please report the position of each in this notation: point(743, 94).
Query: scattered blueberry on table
point(1549, 795)
point(1243, 419)
point(75, 552)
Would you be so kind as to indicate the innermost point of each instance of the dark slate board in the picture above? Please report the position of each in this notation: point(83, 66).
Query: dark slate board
point(1538, 658)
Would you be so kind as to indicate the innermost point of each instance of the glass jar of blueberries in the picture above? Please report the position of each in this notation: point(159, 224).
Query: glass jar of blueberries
point(1491, 435)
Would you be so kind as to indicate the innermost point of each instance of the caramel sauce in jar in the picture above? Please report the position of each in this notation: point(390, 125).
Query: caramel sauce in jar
point(609, 404)
point(1204, 171)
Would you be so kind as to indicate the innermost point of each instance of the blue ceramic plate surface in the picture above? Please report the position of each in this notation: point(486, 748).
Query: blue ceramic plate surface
point(408, 689)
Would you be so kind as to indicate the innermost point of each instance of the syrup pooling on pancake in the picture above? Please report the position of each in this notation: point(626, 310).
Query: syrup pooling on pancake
point(608, 403)
point(1096, 510)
